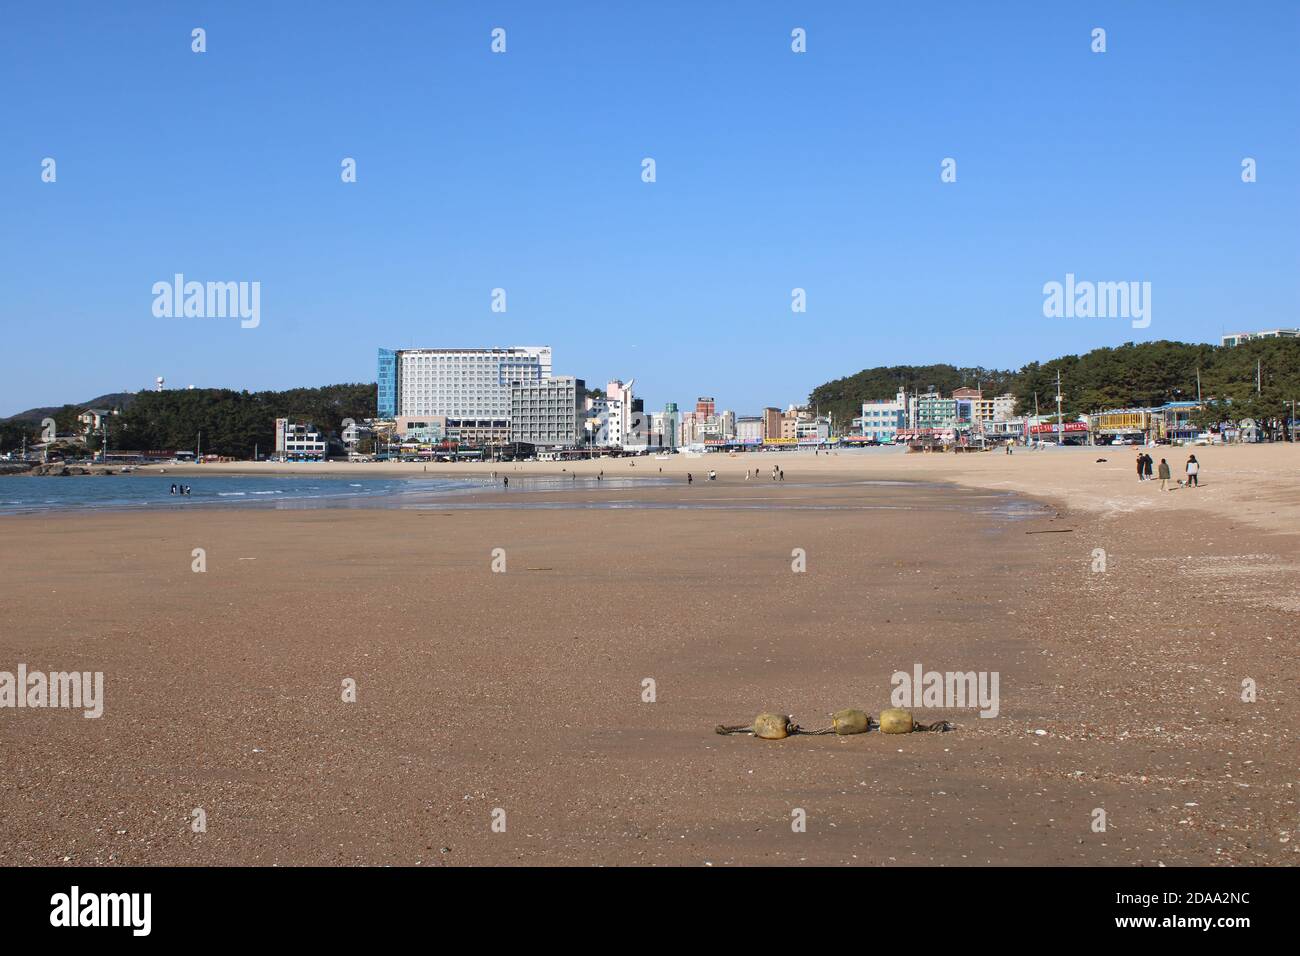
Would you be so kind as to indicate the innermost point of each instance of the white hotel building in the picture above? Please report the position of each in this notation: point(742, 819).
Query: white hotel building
point(470, 388)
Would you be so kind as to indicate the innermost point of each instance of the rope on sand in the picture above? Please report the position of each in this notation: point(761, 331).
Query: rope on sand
point(770, 726)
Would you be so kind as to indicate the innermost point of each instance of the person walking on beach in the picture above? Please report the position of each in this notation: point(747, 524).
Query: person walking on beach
point(689, 478)
point(1164, 475)
point(1149, 468)
point(505, 481)
point(1141, 463)
point(1193, 472)
point(173, 487)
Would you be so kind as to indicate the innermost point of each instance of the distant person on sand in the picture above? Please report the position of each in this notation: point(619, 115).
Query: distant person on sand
point(1164, 475)
point(1141, 463)
point(1148, 468)
point(1193, 472)
point(173, 487)
point(783, 474)
point(505, 481)
point(689, 478)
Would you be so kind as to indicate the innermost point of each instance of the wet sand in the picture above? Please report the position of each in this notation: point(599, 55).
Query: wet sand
point(523, 690)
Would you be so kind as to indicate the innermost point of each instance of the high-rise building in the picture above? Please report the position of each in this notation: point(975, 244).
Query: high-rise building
point(789, 423)
point(727, 425)
point(663, 427)
point(704, 407)
point(619, 402)
point(463, 384)
point(771, 422)
point(548, 412)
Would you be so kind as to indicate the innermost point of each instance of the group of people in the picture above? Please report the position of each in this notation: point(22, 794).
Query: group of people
point(1145, 464)
point(778, 474)
point(180, 489)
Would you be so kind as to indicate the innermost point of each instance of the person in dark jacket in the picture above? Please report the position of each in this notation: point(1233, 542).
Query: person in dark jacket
point(1141, 464)
point(1164, 475)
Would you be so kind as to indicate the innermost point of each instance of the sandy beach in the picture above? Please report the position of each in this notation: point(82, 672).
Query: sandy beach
point(478, 691)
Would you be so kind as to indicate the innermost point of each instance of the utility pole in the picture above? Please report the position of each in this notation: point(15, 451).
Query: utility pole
point(1060, 429)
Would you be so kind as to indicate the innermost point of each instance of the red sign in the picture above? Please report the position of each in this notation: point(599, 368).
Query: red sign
point(1051, 427)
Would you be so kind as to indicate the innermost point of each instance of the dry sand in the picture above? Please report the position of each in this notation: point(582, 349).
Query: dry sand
point(523, 690)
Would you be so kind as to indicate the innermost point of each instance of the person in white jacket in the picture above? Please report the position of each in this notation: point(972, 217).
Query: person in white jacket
point(1193, 472)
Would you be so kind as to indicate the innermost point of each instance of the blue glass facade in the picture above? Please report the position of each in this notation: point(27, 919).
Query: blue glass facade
point(387, 400)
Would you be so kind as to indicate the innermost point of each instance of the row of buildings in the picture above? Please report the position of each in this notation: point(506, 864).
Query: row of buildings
point(907, 415)
point(967, 416)
point(433, 399)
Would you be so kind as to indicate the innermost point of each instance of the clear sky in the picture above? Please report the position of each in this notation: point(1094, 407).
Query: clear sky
point(522, 171)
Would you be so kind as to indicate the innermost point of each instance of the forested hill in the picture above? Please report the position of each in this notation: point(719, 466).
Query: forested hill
point(1149, 373)
point(233, 423)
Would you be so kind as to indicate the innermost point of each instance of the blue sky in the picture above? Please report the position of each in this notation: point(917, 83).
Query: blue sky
point(522, 171)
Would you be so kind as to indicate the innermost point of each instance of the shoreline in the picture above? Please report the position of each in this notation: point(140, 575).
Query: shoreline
point(1255, 485)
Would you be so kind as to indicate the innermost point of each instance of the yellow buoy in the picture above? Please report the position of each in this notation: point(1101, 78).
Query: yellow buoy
point(850, 721)
point(896, 720)
point(773, 726)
